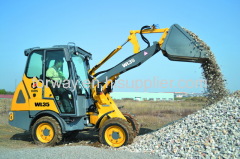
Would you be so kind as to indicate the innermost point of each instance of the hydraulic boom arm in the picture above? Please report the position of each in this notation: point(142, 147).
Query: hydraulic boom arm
point(175, 43)
point(134, 60)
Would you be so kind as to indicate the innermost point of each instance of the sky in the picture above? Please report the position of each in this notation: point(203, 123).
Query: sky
point(101, 26)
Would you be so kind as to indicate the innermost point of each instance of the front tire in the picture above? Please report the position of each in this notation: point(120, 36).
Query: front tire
point(134, 123)
point(116, 132)
point(46, 131)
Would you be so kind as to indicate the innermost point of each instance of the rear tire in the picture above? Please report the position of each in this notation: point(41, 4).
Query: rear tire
point(46, 131)
point(116, 132)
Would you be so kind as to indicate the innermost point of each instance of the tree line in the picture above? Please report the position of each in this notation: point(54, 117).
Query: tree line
point(3, 91)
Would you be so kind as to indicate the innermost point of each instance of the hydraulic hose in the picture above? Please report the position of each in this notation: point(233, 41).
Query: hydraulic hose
point(143, 37)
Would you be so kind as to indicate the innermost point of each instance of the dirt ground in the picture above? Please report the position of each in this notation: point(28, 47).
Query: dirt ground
point(11, 137)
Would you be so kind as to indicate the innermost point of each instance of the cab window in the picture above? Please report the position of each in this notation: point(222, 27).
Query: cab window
point(34, 66)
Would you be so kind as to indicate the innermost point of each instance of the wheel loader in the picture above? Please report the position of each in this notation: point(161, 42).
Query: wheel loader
point(54, 109)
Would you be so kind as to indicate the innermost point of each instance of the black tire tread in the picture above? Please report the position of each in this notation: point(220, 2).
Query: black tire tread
point(125, 124)
point(134, 121)
point(58, 132)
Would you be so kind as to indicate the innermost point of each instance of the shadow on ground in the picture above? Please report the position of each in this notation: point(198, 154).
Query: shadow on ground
point(145, 131)
point(86, 137)
point(25, 136)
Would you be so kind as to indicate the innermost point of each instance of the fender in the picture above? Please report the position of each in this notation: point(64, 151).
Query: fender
point(100, 119)
point(52, 114)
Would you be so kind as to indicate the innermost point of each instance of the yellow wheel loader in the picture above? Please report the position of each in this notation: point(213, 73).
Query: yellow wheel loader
point(60, 94)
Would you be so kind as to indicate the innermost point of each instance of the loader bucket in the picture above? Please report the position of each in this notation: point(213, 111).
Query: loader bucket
point(179, 45)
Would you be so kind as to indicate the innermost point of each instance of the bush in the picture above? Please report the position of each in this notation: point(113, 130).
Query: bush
point(3, 91)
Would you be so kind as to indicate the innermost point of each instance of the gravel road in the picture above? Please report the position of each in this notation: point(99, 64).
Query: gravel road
point(70, 152)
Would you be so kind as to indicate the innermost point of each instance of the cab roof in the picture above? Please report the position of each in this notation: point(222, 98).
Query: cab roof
point(71, 49)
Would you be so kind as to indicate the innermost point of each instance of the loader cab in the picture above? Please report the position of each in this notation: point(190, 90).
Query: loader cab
point(59, 74)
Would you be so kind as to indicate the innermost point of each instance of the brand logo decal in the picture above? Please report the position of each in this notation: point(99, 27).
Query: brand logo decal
point(34, 85)
point(42, 104)
point(129, 62)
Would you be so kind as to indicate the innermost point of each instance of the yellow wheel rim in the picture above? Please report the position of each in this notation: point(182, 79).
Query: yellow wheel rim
point(45, 132)
point(115, 136)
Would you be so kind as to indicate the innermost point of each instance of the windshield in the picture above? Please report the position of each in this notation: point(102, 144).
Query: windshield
point(81, 71)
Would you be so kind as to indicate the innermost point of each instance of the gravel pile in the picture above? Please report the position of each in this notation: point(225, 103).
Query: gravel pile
point(213, 132)
point(212, 73)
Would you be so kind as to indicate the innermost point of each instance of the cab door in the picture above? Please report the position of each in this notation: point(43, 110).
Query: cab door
point(34, 83)
point(58, 90)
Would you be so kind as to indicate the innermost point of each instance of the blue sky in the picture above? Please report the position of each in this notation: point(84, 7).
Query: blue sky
point(100, 26)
